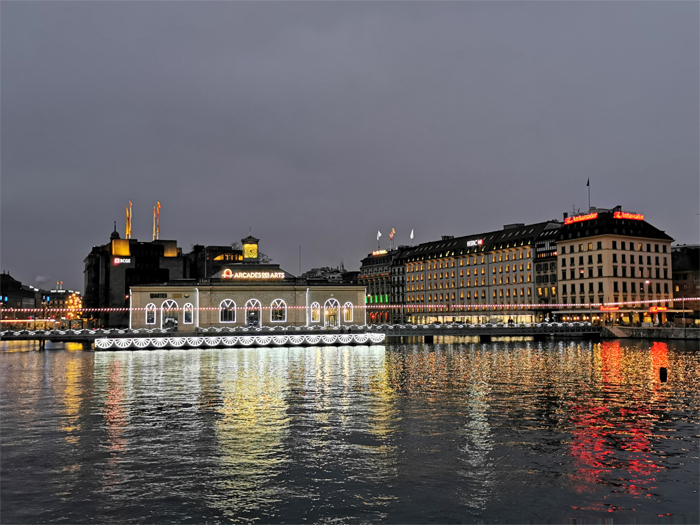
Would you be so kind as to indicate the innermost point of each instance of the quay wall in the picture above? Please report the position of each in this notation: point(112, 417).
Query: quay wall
point(627, 332)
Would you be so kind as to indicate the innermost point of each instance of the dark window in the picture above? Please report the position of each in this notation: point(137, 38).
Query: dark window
point(600, 271)
point(580, 288)
point(658, 287)
point(624, 286)
point(614, 271)
point(622, 245)
point(563, 261)
point(571, 274)
point(580, 259)
point(590, 287)
point(665, 287)
point(656, 248)
point(600, 287)
point(634, 287)
point(600, 257)
point(615, 289)
point(614, 257)
point(563, 249)
point(590, 259)
point(648, 247)
point(563, 275)
point(599, 246)
point(614, 245)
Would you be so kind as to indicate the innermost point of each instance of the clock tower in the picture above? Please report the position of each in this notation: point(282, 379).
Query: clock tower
point(250, 249)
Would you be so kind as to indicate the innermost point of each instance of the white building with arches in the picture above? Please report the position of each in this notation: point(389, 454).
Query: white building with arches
point(248, 293)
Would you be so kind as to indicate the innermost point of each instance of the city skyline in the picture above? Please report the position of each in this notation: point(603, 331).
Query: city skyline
point(318, 124)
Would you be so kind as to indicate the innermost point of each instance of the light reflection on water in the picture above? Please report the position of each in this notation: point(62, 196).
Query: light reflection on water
point(455, 432)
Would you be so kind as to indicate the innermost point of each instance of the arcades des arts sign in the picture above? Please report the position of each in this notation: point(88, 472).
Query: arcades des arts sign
point(248, 276)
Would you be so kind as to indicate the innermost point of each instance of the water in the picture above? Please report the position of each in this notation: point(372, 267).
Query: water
point(445, 433)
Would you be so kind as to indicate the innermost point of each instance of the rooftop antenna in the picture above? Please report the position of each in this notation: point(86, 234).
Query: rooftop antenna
point(115, 225)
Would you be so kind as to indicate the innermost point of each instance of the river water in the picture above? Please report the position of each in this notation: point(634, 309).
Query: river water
point(563, 432)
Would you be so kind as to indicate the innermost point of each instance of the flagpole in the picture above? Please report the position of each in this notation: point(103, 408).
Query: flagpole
point(589, 194)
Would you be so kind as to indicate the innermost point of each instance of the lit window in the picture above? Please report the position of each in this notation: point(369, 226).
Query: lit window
point(315, 312)
point(347, 312)
point(168, 313)
point(278, 311)
point(151, 313)
point(227, 311)
point(188, 313)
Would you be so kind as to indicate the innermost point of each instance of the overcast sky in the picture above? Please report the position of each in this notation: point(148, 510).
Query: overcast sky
point(319, 123)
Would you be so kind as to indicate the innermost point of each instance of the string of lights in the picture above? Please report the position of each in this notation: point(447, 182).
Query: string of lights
point(368, 307)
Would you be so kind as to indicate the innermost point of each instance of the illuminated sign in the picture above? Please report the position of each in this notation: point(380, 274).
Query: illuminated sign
point(581, 218)
point(121, 260)
point(653, 309)
point(625, 215)
point(378, 252)
point(475, 242)
point(609, 308)
point(228, 274)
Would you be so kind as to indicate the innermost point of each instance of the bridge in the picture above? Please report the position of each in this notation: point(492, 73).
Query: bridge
point(122, 338)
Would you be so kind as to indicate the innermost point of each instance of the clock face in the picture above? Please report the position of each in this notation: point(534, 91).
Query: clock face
point(250, 251)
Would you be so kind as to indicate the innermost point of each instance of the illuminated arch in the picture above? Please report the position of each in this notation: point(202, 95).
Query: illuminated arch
point(347, 312)
point(330, 312)
point(150, 313)
point(168, 312)
point(315, 312)
point(227, 311)
point(278, 311)
point(253, 313)
point(188, 313)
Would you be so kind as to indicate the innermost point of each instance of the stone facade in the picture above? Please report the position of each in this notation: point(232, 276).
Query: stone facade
point(258, 304)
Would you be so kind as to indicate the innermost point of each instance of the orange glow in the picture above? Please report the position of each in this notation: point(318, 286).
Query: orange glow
point(653, 309)
point(581, 218)
point(609, 308)
point(625, 215)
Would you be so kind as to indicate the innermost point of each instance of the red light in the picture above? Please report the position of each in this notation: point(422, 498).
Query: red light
point(625, 215)
point(581, 218)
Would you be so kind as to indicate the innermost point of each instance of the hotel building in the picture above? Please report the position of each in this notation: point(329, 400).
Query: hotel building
point(247, 293)
point(611, 256)
point(475, 278)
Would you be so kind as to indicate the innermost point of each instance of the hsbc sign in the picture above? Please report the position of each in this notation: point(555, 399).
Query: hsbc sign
point(475, 242)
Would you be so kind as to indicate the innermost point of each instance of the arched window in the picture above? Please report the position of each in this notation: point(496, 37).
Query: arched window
point(227, 311)
point(168, 314)
point(347, 312)
point(188, 314)
point(330, 312)
point(253, 310)
point(278, 311)
point(150, 313)
point(315, 312)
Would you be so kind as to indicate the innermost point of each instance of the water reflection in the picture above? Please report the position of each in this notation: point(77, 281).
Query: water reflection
point(451, 432)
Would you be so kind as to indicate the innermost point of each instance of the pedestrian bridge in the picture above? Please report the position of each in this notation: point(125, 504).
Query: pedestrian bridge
point(116, 338)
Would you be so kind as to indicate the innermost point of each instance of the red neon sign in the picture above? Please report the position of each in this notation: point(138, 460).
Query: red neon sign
point(625, 215)
point(228, 274)
point(609, 308)
point(581, 218)
point(653, 309)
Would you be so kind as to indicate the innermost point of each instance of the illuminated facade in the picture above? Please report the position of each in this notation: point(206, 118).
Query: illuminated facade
point(382, 273)
point(111, 269)
point(246, 293)
point(475, 278)
point(610, 256)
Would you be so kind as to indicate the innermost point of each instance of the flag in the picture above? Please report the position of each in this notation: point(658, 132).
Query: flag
point(588, 183)
point(379, 234)
point(391, 234)
point(411, 234)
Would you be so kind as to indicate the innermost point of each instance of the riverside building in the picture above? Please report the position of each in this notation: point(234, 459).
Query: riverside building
point(381, 275)
point(611, 256)
point(475, 278)
point(247, 293)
